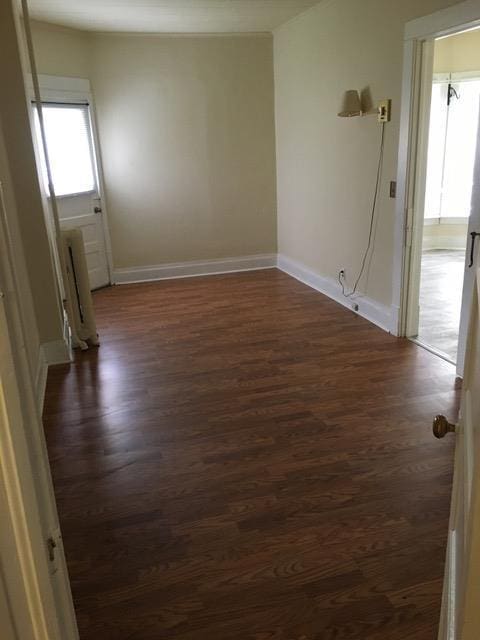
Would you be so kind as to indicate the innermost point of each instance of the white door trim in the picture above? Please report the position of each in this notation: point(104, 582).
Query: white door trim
point(404, 203)
point(465, 15)
point(419, 176)
point(38, 590)
point(72, 90)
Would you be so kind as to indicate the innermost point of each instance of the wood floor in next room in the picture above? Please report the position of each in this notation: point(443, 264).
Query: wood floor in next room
point(441, 300)
point(243, 458)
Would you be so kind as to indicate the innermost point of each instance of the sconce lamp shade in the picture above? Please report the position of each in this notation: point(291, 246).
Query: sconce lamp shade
point(351, 105)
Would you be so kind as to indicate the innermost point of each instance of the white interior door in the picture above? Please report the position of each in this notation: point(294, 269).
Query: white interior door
point(471, 184)
point(84, 211)
point(72, 155)
point(460, 618)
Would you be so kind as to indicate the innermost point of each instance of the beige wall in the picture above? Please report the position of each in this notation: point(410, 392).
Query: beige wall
point(60, 51)
point(189, 165)
point(445, 236)
point(187, 136)
point(7, 629)
point(32, 337)
point(326, 165)
point(458, 53)
point(22, 185)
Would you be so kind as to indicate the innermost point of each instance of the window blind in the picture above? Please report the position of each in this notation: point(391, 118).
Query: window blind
point(69, 146)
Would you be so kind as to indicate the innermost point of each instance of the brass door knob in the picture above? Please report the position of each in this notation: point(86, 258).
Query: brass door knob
point(441, 426)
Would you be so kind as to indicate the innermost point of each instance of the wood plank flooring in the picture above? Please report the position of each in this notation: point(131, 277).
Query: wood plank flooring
point(244, 459)
point(441, 299)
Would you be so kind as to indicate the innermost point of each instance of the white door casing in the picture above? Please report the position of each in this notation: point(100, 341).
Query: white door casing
point(414, 240)
point(38, 590)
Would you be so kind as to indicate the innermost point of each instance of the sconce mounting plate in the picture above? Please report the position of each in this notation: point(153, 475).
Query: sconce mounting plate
point(385, 111)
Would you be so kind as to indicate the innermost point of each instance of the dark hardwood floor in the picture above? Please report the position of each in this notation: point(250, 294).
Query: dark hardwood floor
point(242, 458)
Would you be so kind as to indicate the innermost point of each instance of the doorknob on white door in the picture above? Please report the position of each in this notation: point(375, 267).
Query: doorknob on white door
point(97, 209)
point(441, 426)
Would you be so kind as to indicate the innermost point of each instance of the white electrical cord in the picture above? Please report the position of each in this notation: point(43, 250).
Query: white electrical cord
point(372, 220)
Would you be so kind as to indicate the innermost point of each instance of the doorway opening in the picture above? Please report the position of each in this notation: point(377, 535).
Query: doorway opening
point(443, 245)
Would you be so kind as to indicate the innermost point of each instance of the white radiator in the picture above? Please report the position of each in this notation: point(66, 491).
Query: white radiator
point(79, 298)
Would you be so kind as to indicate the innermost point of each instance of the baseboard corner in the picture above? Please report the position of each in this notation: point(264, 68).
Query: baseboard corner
point(49, 353)
point(370, 309)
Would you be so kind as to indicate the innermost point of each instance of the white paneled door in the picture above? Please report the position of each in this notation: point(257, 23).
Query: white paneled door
point(473, 236)
point(84, 211)
point(73, 160)
point(460, 618)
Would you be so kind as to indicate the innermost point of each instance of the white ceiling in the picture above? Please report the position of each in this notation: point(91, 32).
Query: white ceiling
point(169, 16)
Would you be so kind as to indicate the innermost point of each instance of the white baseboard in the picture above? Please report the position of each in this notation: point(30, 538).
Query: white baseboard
point(57, 352)
point(373, 311)
point(369, 309)
point(450, 234)
point(193, 269)
point(49, 353)
point(395, 325)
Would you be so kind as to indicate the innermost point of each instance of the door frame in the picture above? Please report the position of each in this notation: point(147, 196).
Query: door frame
point(78, 90)
point(36, 588)
point(418, 36)
point(414, 240)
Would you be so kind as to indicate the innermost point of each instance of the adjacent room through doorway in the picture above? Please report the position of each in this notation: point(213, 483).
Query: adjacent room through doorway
point(452, 145)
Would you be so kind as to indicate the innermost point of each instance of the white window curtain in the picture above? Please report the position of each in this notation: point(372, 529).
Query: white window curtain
point(451, 148)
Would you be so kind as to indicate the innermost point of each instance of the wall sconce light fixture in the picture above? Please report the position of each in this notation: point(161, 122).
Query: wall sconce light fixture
point(351, 105)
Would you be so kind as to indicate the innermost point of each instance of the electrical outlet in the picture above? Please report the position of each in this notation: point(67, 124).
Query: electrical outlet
point(341, 274)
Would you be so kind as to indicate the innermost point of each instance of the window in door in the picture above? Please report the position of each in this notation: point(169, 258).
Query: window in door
point(70, 149)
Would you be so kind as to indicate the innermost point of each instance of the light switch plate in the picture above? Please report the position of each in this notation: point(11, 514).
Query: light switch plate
point(385, 111)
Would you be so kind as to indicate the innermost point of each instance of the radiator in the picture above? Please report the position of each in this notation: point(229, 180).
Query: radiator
point(77, 288)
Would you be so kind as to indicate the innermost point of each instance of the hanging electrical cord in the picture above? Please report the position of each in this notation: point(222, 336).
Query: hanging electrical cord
point(372, 221)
